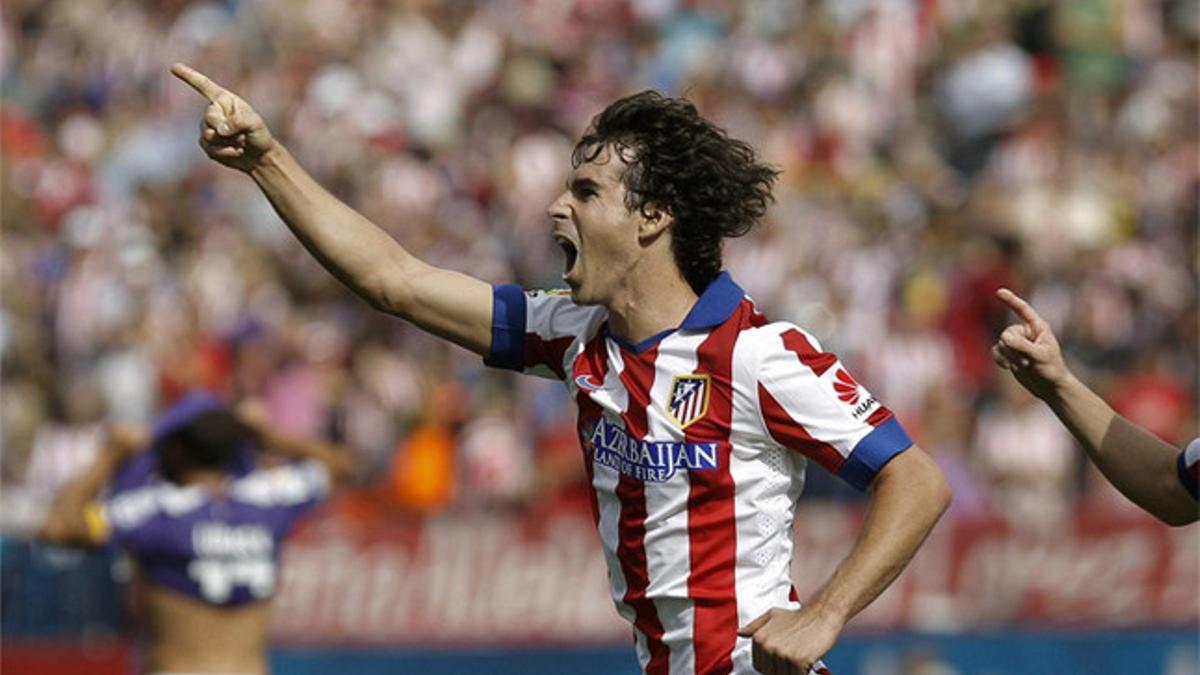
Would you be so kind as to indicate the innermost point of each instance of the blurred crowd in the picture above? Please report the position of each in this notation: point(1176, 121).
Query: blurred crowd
point(932, 151)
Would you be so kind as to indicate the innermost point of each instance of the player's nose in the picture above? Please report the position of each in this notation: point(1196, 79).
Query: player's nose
point(560, 209)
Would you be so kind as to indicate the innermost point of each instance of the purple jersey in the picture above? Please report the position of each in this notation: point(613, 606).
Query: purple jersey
point(222, 549)
point(143, 468)
point(1189, 467)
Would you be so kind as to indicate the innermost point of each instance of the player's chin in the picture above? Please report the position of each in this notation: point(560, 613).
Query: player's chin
point(580, 293)
point(578, 296)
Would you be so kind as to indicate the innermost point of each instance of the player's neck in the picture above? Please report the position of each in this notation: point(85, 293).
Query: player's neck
point(649, 302)
point(214, 481)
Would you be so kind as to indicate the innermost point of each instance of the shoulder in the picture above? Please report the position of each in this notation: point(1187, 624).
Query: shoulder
point(775, 339)
point(132, 508)
point(284, 485)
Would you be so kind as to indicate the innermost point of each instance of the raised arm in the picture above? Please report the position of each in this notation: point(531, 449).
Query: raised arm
point(67, 522)
point(356, 251)
point(1138, 463)
point(908, 497)
point(341, 464)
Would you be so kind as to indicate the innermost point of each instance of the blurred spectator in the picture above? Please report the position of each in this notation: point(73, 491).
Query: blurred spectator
point(1030, 458)
point(68, 441)
point(932, 152)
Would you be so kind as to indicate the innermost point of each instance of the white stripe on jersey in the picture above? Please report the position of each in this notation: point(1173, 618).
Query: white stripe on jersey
point(667, 510)
point(769, 479)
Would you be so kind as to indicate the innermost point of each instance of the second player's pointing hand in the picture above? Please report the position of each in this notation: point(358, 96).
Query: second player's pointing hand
point(232, 133)
point(1030, 350)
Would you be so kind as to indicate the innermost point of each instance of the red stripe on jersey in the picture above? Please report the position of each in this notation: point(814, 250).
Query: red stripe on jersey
point(819, 362)
point(879, 416)
point(540, 351)
point(593, 362)
point(793, 595)
point(791, 434)
point(757, 318)
point(712, 532)
point(637, 378)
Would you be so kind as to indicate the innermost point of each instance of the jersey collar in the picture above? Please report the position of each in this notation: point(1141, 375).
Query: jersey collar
point(715, 305)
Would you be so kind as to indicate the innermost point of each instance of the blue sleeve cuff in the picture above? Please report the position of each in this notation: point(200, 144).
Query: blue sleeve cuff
point(1185, 476)
point(874, 451)
point(508, 328)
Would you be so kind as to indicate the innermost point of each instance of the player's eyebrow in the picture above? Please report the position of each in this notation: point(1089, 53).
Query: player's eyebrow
point(578, 185)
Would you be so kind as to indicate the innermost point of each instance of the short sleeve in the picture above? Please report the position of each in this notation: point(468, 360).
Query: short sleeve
point(811, 404)
point(291, 488)
point(533, 331)
point(1188, 465)
point(142, 519)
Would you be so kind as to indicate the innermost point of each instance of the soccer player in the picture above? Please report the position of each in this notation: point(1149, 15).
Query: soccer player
point(1155, 475)
point(696, 414)
point(203, 525)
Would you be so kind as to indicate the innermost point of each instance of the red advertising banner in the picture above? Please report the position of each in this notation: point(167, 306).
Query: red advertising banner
point(488, 579)
point(448, 580)
point(1097, 570)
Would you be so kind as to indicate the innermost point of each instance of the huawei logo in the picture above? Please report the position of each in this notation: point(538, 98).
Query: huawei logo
point(845, 386)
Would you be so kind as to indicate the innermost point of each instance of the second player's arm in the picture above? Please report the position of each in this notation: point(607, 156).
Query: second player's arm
point(1138, 463)
point(339, 461)
point(373, 264)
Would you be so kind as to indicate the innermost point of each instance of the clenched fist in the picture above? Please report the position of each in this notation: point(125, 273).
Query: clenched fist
point(791, 642)
point(233, 133)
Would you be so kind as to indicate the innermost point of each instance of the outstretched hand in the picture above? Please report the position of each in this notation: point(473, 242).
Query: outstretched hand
point(233, 133)
point(1029, 349)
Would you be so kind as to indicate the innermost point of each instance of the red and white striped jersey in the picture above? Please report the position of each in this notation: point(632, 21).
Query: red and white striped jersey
point(1189, 467)
point(696, 442)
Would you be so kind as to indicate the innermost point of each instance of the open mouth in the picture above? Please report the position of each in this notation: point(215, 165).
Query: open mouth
point(570, 251)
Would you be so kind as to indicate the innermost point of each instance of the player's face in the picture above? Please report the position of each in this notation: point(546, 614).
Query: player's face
point(596, 230)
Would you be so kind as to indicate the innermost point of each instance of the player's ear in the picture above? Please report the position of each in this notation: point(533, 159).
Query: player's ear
point(654, 221)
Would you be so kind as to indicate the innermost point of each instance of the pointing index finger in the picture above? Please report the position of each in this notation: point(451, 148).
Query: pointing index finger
point(198, 81)
point(1023, 309)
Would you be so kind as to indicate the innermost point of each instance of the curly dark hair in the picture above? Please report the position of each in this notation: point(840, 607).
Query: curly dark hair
point(712, 185)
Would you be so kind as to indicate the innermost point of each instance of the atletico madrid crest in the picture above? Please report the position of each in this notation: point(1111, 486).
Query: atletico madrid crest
point(689, 399)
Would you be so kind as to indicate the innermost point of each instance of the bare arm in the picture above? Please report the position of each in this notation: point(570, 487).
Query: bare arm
point(355, 250)
point(67, 522)
point(909, 495)
point(1137, 463)
point(341, 464)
